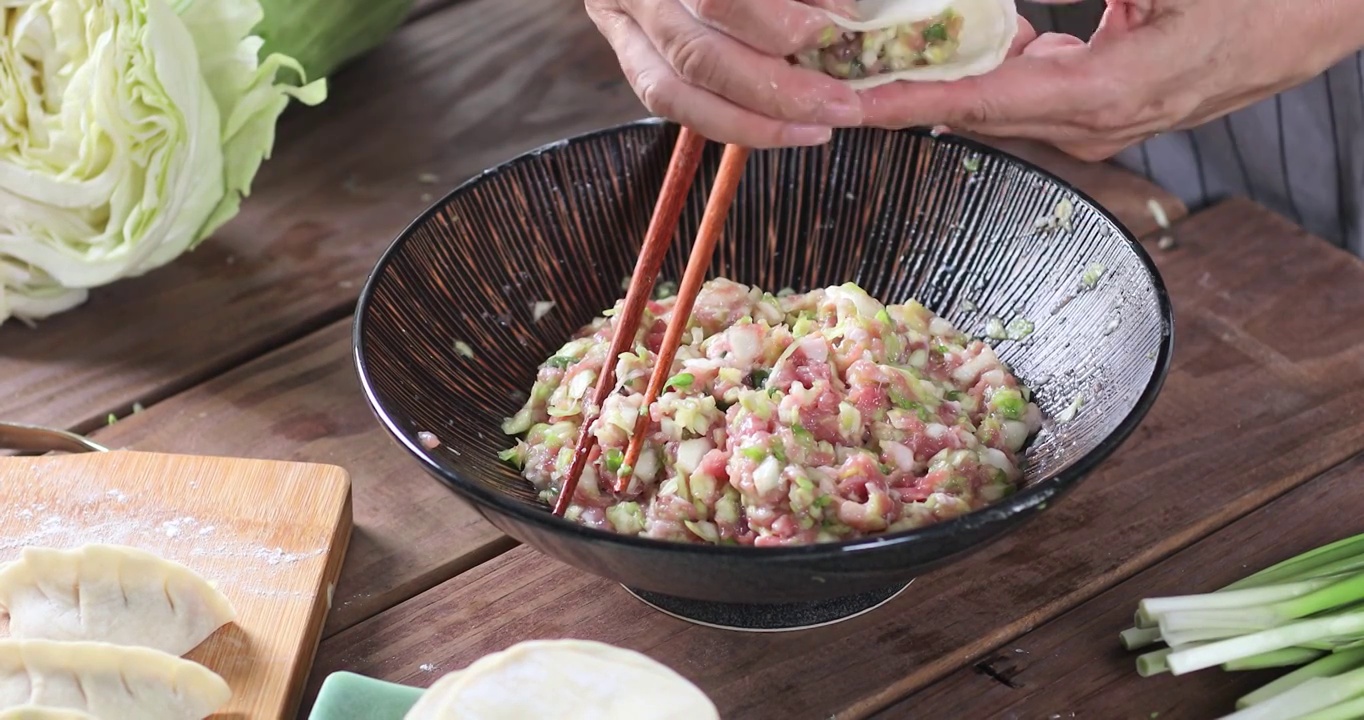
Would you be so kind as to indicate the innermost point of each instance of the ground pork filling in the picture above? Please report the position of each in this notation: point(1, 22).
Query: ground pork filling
point(853, 55)
point(788, 420)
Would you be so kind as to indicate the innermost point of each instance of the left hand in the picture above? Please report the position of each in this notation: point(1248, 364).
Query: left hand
point(1152, 66)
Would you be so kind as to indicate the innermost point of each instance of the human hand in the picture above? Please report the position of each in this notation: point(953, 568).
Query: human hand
point(720, 67)
point(1152, 66)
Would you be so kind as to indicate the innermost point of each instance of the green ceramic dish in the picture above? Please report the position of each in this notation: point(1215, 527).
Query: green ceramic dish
point(347, 696)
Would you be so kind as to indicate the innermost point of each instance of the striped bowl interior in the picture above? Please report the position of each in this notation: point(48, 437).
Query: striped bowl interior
point(971, 232)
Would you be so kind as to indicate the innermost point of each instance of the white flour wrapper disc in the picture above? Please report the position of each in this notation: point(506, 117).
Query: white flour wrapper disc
point(989, 29)
point(565, 680)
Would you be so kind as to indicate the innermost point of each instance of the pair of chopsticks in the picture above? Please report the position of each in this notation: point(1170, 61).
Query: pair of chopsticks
point(676, 184)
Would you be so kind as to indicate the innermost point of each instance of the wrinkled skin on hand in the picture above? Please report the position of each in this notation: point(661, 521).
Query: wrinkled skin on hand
point(1152, 66)
point(720, 67)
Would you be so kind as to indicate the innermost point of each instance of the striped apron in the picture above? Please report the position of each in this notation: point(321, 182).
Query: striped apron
point(1300, 153)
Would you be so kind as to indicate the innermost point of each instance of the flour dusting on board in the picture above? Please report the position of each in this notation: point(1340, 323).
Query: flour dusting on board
point(106, 518)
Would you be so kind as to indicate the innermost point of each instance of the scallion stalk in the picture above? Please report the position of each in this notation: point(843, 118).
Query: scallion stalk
point(1332, 664)
point(1315, 694)
point(1348, 710)
point(1287, 657)
point(1307, 611)
point(1216, 653)
point(1306, 564)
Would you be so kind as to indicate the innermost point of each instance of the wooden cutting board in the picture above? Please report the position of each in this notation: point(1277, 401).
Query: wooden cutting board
point(271, 534)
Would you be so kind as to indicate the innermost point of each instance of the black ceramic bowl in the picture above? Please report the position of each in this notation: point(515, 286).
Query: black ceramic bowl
point(971, 232)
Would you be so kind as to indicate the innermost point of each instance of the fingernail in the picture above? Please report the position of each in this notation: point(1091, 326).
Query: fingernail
point(841, 113)
point(806, 134)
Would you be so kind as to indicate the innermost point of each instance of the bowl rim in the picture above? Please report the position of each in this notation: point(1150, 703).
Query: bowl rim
point(1032, 498)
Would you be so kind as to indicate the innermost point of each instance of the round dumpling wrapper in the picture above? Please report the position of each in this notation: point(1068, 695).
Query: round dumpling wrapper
point(566, 680)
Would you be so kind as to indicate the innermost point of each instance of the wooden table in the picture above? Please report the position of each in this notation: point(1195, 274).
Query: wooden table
point(241, 348)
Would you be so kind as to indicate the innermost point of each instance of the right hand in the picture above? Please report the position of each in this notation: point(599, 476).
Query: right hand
point(720, 67)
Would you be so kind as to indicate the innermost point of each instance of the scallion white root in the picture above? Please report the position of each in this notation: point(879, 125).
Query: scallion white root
point(1216, 653)
point(1137, 638)
point(1305, 612)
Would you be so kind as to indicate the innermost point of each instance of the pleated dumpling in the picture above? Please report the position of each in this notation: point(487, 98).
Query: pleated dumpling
point(107, 681)
point(111, 594)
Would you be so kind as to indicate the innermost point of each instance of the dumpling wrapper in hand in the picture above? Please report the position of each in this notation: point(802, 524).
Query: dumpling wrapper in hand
point(564, 680)
point(107, 681)
point(113, 594)
point(38, 712)
point(988, 28)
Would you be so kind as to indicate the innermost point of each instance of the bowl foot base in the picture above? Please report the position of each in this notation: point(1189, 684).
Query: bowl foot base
point(782, 617)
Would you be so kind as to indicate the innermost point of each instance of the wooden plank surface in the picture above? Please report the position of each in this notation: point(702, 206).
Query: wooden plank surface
point(1263, 396)
point(452, 94)
point(270, 534)
point(1074, 665)
point(343, 182)
point(461, 89)
point(303, 403)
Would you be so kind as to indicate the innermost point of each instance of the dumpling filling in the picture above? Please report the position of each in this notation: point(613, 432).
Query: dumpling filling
point(852, 55)
point(787, 420)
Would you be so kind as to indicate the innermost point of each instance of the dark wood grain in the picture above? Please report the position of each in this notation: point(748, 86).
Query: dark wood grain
point(446, 97)
point(1074, 664)
point(423, 8)
point(1263, 396)
point(302, 402)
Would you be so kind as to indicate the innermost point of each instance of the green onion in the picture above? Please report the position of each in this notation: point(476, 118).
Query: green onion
point(560, 361)
point(1333, 664)
point(1287, 657)
point(937, 32)
point(613, 457)
point(1091, 276)
point(1018, 328)
point(1306, 612)
point(680, 380)
point(755, 454)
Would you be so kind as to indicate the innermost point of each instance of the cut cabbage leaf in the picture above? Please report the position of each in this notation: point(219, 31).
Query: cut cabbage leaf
point(129, 131)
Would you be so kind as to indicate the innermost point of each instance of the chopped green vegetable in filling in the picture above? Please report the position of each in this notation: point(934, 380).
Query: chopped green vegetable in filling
point(787, 420)
point(849, 54)
point(1091, 276)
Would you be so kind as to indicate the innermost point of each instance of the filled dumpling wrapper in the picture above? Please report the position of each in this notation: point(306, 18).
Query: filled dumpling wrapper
point(923, 40)
point(107, 681)
point(113, 594)
point(565, 680)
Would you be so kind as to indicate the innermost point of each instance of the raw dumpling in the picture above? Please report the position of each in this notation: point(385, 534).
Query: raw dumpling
point(565, 680)
point(107, 681)
point(38, 712)
point(916, 40)
point(113, 594)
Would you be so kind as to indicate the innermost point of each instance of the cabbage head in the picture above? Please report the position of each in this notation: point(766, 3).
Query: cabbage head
point(130, 130)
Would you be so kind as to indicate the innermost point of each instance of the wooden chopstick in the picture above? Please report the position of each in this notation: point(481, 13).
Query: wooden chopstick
point(712, 223)
point(671, 199)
